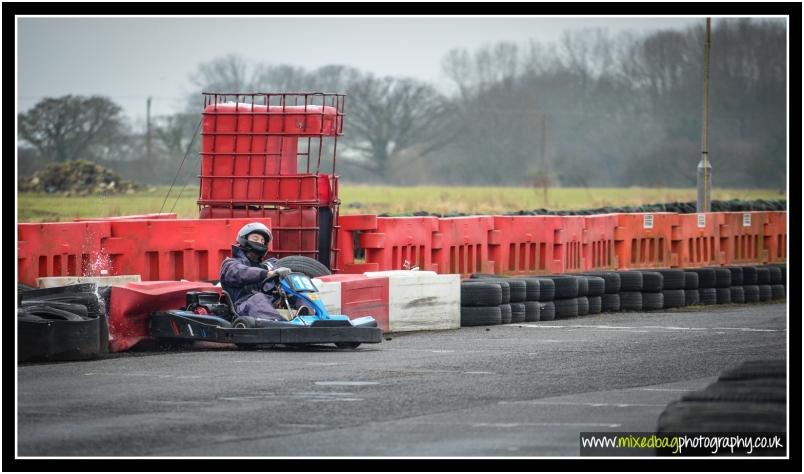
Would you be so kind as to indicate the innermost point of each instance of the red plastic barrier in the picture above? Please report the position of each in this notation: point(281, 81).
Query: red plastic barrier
point(226, 188)
point(461, 245)
point(350, 228)
point(775, 236)
point(643, 240)
point(536, 244)
point(366, 297)
point(131, 305)
point(598, 245)
point(156, 215)
point(400, 240)
point(295, 231)
point(167, 249)
point(695, 241)
point(60, 249)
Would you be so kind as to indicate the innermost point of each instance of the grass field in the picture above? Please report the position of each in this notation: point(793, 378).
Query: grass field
point(35, 207)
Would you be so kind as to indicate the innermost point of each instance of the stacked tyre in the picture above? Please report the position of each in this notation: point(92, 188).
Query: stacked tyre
point(631, 291)
point(62, 323)
point(707, 293)
point(673, 284)
point(652, 296)
point(610, 297)
point(566, 295)
point(596, 288)
point(481, 303)
point(722, 285)
point(736, 289)
point(690, 288)
point(583, 295)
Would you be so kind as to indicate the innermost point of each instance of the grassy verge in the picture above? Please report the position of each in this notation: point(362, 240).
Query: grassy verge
point(358, 199)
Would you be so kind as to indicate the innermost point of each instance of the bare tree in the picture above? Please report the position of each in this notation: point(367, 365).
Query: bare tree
point(71, 127)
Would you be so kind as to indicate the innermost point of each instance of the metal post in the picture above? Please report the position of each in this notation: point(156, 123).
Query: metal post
point(149, 157)
point(704, 202)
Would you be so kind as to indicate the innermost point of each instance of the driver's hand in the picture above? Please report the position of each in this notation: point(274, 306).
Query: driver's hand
point(282, 271)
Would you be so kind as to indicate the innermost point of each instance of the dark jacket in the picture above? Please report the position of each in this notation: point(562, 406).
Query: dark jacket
point(240, 277)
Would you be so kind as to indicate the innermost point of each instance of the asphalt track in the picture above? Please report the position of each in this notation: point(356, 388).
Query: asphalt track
point(516, 390)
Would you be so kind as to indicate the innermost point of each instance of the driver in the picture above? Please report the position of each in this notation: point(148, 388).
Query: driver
point(243, 275)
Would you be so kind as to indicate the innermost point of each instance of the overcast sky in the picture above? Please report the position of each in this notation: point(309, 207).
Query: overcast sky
point(129, 59)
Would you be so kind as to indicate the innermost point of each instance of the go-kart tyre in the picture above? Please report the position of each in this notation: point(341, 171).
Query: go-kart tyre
point(301, 264)
point(244, 322)
point(347, 345)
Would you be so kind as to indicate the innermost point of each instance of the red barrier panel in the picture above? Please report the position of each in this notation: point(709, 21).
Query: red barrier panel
point(366, 297)
point(776, 236)
point(130, 308)
point(695, 241)
point(350, 228)
point(642, 240)
point(167, 249)
point(60, 249)
point(400, 240)
point(536, 244)
point(598, 245)
point(156, 215)
point(461, 245)
point(226, 189)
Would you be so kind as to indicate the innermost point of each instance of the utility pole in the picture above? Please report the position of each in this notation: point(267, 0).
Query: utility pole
point(704, 202)
point(148, 156)
point(546, 177)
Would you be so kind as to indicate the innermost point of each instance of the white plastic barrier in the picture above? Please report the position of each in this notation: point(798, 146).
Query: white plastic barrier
point(422, 300)
point(330, 294)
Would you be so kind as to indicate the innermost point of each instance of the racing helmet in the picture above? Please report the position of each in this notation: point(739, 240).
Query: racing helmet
point(254, 228)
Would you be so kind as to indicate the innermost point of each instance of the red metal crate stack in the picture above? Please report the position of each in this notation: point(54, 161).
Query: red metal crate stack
point(264, 155)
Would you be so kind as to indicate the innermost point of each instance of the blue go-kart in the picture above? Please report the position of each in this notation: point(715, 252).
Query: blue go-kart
point(210, 316)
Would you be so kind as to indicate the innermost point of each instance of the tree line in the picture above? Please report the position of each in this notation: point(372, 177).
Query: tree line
point(593, 109)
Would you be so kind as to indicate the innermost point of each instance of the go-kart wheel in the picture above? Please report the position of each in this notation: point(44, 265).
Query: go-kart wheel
point(244, 322)
point(347, 345)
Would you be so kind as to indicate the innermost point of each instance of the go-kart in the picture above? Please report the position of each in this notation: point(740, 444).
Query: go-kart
point(209, 316)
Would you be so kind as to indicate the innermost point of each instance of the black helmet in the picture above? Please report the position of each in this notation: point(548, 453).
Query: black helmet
point(254, 228)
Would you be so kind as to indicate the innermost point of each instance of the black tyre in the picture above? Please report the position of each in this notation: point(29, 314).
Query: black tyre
point(765, 293)
point(51, 312)
point(532, 289)
point(690, 280)
point(301, 264)
point(583, 305)
point(518, 312)
point(631, 301)
point(722, 416)
point(630, 281)
point(77, 309)
point(706, 277)
point(737, 294)
point(652, 301)
point(707, 296)
point(595, 304)
point(674, 298)
point(504, 287)
point(611, 303)
point(597, 285)
point(722, 277)
point(547, 310)
point(736, 276)
point(566, 308)
point(347, 345)
point(775, 275)
point(505, 313)
point(690, 297)
point(480, 315)
point(583, 285)
point(763, 276)
point(723, 295)
point(547, 289)
point(749, 275)
point(778, 292)
point(532, 311)
point(480, 293)
point(612, 281)
point(652, 282)
point(672, 279)
point(566, 286)
point(751, 293)
point(518, 290)
point(244, 322)
point(762, 369)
